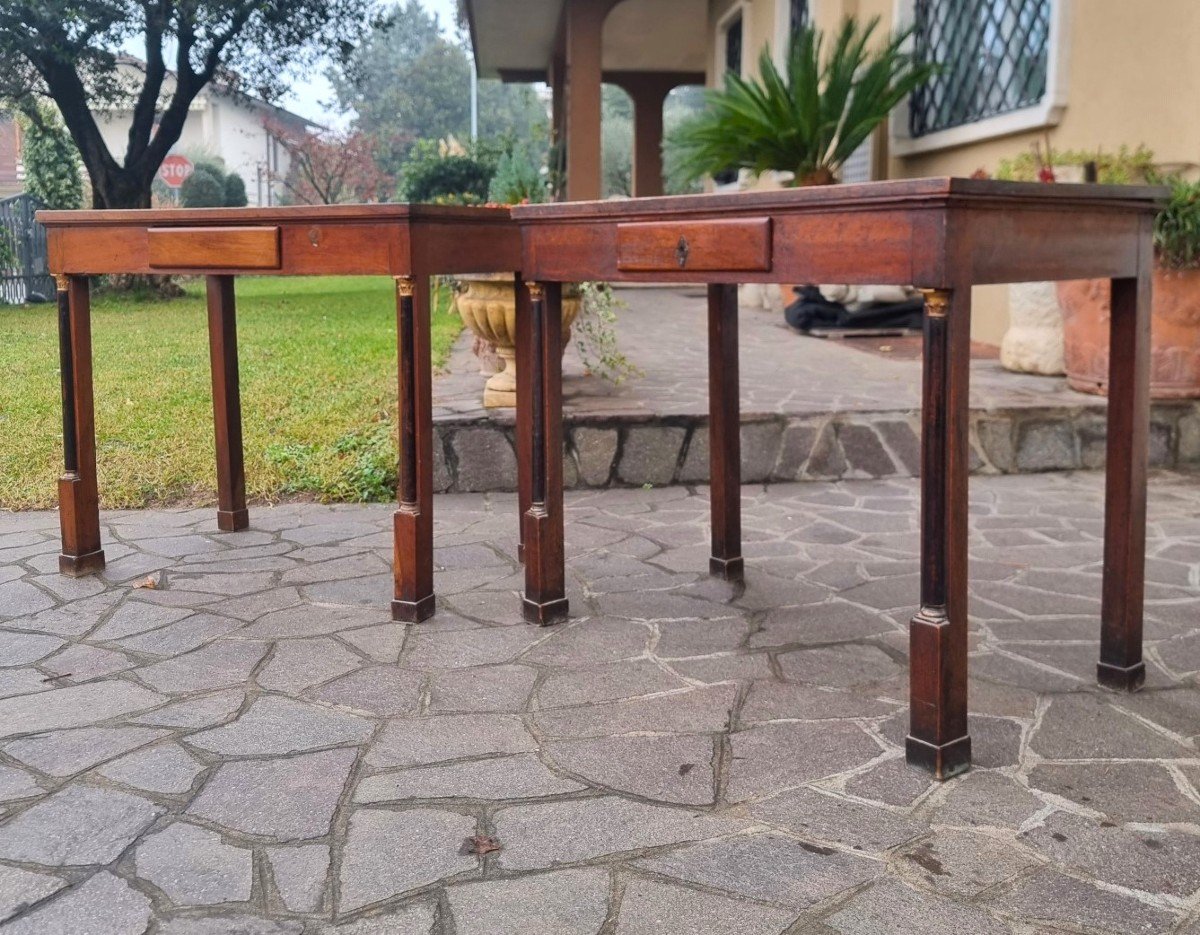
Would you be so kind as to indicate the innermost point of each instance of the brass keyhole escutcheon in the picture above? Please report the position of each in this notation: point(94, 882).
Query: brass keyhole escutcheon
point(314, 236)
point(681, 252)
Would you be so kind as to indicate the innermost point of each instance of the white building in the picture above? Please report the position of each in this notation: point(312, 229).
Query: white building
point(221, 123)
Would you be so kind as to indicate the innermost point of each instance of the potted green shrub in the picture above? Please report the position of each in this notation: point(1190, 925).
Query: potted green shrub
point(433, 176)
point(807, 120)
point(1175, 309)
point(1122, 166)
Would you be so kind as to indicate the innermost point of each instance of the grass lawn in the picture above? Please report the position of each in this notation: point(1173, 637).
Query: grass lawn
point(318, 381)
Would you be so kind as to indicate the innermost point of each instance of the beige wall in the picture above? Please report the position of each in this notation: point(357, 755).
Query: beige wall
point(1133, 76)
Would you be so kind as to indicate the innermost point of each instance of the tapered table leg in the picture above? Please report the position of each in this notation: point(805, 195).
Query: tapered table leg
point(524, 412)
point(545, 600)
point(1121, 666)
point(79, 507)
point(413, 521)
point(724, 428)
point(938, 739)
point(227, 405)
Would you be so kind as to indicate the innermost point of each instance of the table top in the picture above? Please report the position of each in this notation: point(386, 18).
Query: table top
point(398, 212)
point(936, 233)
point(376, 239)
point(926, 192)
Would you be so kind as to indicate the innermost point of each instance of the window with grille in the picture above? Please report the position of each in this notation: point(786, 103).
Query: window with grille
point(799, 15)
point(733, 63)
point(993, 57)
point(733, 46)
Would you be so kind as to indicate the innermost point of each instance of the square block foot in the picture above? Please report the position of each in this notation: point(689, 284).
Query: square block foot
point(1121, 679)
point(233, 520)
point(76, 566)
point(731, 569)
point(545, 614)
point(414, 611)
point(943, 761)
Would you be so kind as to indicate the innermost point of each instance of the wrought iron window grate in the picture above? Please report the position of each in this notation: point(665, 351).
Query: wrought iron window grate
point(799, 15)
point(733, 46)
point(993, 56)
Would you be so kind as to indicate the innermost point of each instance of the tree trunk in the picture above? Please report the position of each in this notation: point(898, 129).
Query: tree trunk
point(127, 189)
point(113, 185)
point(123, 188)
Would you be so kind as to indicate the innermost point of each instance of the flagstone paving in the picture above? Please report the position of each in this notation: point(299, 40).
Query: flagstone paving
point(252, 746)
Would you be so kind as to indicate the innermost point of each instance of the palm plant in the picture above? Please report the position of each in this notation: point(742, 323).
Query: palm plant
point(810, 121)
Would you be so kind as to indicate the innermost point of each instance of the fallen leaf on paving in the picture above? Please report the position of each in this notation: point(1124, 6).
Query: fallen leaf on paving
point(480, 844)
point(150, 582)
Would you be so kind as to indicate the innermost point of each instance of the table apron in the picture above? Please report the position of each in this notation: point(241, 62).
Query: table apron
point(925, 248)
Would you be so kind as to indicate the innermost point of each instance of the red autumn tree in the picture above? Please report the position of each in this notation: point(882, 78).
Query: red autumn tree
point(330, 167)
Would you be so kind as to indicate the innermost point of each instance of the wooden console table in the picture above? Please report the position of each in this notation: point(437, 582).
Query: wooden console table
point(409, 243)
point(940, 235)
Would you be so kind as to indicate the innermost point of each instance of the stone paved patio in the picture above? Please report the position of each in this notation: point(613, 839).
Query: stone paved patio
point(811, 410)
point(253, 747)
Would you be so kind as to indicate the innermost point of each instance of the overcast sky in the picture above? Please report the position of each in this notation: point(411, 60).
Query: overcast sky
point(313, 97)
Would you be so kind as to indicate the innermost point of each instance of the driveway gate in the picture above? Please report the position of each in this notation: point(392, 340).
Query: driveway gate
point(24, 272)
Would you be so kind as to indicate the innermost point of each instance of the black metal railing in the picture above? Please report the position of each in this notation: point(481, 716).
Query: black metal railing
point(993, 57)
point(24, 268)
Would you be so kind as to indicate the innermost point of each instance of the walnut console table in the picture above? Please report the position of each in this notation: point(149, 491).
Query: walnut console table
point(940, 235)
point(409, 243)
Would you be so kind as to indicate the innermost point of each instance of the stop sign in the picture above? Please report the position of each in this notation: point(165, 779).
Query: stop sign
point(174, 170)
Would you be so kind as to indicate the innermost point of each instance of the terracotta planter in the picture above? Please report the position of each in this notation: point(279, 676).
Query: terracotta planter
point(487, 304)
point(1174, 341)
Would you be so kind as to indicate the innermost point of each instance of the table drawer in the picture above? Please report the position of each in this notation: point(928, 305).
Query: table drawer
point(735, 245)
point(213, 247)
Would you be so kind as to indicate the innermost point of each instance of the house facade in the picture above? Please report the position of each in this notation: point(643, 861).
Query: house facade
point(1080, 74)
point(227, 125)
point(11, 177)
point(1084, 74)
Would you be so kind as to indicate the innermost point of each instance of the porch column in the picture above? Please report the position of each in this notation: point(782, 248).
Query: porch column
point(648, 91)
point(557, 81)
point(647, 141)
point(557, 76)
point(584, 29)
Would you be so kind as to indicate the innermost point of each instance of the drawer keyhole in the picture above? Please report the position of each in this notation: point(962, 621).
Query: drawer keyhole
point(681, 252)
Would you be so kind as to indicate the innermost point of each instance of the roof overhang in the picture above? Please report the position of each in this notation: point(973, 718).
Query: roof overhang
point(517, 39)
point(514, 39)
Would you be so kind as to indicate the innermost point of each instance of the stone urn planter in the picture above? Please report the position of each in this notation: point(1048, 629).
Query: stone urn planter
point(487, 304)
point(1174, 340)
point(1033, 342)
